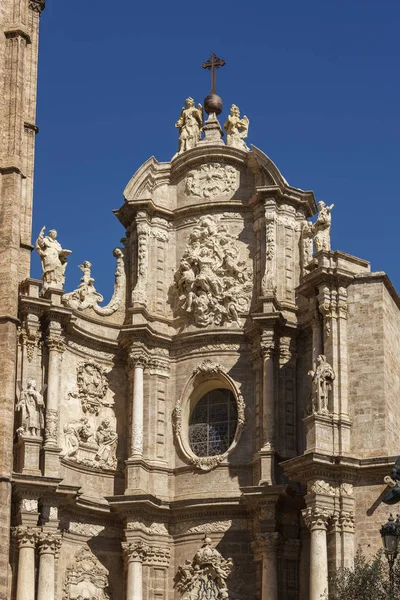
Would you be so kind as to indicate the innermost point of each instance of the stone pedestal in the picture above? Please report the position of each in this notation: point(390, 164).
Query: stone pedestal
point(212, 132)
point(319, 430)
point(28, 454)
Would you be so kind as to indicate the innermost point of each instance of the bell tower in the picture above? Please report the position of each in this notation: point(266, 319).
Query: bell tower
point(19, 27)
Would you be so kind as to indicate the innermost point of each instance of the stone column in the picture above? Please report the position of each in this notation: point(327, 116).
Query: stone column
point(316, 520)
point(49, 545)
point(265, 548)
point(135, 552)
point(268, 407)
point(138, 363)
point(346, 521)
point(56, 346)
point(26, 540)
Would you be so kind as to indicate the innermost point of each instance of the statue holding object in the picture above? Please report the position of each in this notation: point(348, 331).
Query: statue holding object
point(189, 124)
point(53, 258)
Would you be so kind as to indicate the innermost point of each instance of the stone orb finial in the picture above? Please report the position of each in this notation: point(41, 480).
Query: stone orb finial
point(213, 104)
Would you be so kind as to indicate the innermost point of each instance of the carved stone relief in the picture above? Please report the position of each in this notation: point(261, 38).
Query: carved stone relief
point(211, 180)
point(268, 284)
point(212, 284)
point(92, 387)
point(86, 296)
point(92, 440)
point(86, 578)
point(93, 449)
point(187, 527)
point(205, 576)
point(148, 527)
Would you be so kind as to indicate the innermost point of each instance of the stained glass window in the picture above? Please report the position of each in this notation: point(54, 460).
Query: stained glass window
point(213, 423)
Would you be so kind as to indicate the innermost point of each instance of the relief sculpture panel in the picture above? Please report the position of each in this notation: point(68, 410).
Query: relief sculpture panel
point(213, 284)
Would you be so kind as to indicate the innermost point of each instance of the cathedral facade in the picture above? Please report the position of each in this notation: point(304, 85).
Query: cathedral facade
point(223, 426)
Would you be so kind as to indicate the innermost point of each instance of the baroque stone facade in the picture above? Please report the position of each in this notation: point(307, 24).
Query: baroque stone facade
point(223, 426)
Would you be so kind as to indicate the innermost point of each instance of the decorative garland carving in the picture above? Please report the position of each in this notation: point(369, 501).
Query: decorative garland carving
point(212, 285)
point(206, 574)
point(86, 576)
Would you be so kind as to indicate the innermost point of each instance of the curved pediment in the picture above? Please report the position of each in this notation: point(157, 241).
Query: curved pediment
point(147, 178)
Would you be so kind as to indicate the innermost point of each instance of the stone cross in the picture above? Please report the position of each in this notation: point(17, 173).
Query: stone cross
point(213, 63)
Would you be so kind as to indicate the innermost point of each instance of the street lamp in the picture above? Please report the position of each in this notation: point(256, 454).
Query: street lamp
point(390, 533)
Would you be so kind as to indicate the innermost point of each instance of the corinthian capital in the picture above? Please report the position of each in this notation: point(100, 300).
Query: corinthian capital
point(135, 551)
point(49, 542)
point(26, 537)
point(316, 518)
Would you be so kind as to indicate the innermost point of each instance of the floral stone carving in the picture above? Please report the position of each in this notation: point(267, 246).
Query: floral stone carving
point(86, 578)
point(213, 285)
point(86, 296)
point(211, 180)
point(205, 576)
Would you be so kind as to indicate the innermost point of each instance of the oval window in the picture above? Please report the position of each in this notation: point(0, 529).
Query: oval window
point(213, 422)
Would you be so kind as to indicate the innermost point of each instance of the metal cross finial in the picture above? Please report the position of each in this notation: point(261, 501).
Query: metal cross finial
point(213, 63)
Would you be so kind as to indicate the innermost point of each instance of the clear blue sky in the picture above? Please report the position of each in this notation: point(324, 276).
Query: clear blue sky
point(319, 82)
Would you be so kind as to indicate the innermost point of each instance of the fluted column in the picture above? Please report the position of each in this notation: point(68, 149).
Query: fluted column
point(137, 363)
point(135, 552)
point(316, 520)
point(49, 545)
point(26, 539)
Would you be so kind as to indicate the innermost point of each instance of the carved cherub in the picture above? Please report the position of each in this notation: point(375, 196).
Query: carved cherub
point(189, 124)
point(236, 129)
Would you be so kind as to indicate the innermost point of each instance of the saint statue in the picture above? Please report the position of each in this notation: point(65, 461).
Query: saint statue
point(32, 406)
point(53, 258)
point(322, 227)
point(236, 129)
point(189, 124)
point(307, 233)
point(322, 382)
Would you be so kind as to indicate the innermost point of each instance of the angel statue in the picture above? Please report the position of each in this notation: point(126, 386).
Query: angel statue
point(189, 124)
point(236, 129)
point(53, 258)
point(32, 406)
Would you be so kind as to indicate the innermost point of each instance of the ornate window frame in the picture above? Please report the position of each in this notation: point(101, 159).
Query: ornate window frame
point(206, 377)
